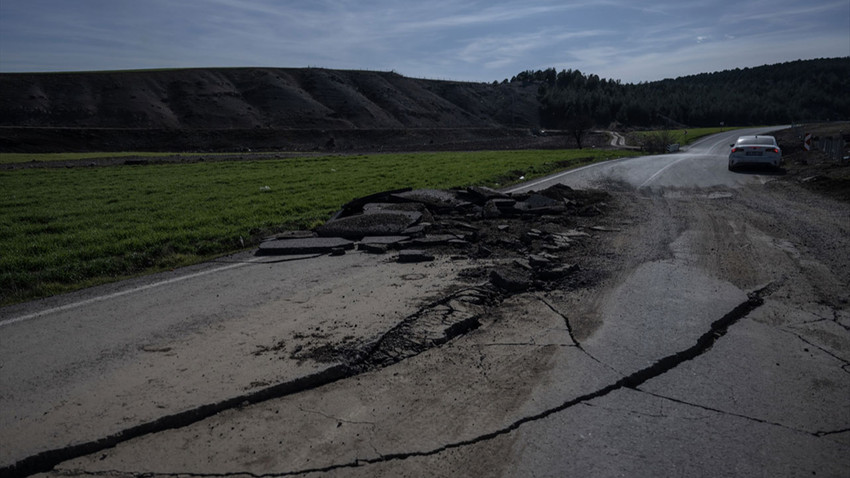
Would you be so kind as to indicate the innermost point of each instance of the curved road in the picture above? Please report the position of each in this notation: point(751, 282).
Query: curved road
point(701, 165)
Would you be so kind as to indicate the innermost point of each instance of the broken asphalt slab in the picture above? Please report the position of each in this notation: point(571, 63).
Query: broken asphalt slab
point(430, 218)
point(307, 245)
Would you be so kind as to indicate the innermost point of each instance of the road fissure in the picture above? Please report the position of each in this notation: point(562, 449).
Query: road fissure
point(632, 381)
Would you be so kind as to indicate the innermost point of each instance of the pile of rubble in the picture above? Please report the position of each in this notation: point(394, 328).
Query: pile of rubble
point(529, 234)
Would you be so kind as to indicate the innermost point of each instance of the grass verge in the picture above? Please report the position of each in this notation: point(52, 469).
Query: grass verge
point(680, 136)
point(64, 229)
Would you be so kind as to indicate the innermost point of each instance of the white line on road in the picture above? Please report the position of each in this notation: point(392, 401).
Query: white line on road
point(101, 298)
point(531, 184)
point(657, 173)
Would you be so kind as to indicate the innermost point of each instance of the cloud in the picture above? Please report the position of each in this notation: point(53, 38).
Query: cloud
point(468, 39)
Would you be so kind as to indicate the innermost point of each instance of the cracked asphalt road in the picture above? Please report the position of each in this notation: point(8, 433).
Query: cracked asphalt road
point(715, 342)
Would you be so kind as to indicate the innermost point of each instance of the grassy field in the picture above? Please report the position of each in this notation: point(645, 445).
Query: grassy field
point(63, 229)
point(684, 136)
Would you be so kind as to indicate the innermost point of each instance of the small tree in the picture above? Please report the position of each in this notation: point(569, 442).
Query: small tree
point(578, 126)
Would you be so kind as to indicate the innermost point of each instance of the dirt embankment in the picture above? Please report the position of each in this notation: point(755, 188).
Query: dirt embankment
point(815, 169)
point(256, 108)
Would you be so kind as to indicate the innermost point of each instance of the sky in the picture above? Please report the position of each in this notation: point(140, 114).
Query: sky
point(461, 40)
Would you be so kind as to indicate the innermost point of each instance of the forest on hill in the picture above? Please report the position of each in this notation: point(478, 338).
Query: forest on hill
point(799, 91)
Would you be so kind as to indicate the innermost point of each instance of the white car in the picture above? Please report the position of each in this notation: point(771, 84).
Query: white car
point(755, 150)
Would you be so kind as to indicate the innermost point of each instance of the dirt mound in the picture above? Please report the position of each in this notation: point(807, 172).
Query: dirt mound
point(192, 108)
point(816, 170)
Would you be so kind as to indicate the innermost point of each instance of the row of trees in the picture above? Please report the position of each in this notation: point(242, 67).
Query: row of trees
point(810, 90)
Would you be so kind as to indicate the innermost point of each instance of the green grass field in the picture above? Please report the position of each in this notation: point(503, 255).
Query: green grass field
point(685, 136)
point(64, 229)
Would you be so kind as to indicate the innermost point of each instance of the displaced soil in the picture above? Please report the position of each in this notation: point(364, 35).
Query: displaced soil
point(816, 170)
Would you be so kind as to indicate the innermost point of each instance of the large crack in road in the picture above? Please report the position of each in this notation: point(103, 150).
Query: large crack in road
point(433, 325)
point(632, 381)
point(387, 351)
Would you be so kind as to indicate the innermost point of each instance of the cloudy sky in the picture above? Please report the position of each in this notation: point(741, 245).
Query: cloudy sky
point(440, 39)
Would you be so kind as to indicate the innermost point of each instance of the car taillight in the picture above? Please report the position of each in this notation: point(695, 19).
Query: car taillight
point(735, 150)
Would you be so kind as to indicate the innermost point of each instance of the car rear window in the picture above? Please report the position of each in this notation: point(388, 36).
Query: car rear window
point(757, 140)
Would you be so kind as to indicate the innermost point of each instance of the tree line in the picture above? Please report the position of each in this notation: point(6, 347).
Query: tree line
point(784, 93)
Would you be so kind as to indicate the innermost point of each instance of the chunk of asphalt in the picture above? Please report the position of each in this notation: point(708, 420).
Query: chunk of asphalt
point(491, 211)
point(435, 198)
point(557, 272)
point(309, 245)
point(292, 235)
point(394, 206)
point(511, 280)
point(416, 212)
point(356, 205)
point(380, 244)
point(414, 255)
point(480, 194)
point(383, 239)
point(541, 261)
point(536, 201)
point(385, 223)
point(432, 240)
point(373, 248)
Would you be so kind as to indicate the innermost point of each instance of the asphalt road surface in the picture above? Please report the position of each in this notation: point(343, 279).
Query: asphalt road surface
point(716, 343)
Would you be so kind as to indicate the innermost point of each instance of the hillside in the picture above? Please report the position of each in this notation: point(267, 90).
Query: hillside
point(248, 107)
point(314, 109)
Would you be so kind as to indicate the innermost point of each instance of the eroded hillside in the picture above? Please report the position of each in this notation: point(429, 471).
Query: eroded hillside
point(259, 98)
